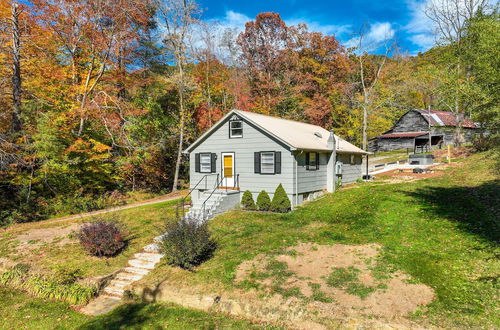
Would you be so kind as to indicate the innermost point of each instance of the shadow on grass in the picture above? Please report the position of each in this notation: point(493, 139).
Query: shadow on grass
point(475, 209)
point(126, 316)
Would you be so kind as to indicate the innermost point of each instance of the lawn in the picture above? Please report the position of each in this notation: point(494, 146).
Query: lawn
point(46, 246)
point(19, 311)
point(443, 232)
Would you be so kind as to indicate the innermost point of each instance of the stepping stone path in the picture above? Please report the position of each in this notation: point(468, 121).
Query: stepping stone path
point(137, 268)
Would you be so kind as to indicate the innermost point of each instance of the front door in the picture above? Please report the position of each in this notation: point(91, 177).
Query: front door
point(228, 169)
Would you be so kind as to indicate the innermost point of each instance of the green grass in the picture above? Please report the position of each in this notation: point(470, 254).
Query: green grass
point(444, 232)
point(140, 224)
point(347, 279)
point(20, 311)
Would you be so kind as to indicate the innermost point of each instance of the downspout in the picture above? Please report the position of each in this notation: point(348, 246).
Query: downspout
point(331, 174)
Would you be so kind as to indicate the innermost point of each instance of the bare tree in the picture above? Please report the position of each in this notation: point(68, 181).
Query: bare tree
point(176, 18)
point(16, 69)
point(369, 80)
point(450, 18)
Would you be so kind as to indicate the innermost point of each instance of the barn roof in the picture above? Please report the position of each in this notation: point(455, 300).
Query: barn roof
point(401, 135)
point(295, 134)
point(444, 118)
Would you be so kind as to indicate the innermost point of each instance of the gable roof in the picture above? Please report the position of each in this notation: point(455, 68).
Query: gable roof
point(294, 134)
point(444, 118)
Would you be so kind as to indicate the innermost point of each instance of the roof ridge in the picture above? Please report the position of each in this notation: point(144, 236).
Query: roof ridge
point(279, 118)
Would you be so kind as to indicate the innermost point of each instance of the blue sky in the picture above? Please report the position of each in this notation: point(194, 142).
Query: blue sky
point(403, 19)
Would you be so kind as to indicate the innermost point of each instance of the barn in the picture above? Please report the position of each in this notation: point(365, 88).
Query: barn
point(418, 129)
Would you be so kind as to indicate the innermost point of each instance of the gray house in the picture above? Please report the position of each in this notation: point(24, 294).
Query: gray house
point(250, 151)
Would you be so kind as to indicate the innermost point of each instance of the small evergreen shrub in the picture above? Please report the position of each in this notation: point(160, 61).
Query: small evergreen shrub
point(187, 244)
point(263, 201)
point(281, 202)
point(101, 238)
point(247, 200)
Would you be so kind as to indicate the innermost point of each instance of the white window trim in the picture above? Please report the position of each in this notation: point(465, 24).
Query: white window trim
point(231, 135)
point(262, 162)
point(209, 162)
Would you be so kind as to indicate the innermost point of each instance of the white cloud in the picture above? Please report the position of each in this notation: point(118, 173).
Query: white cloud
point(420, 27)
point(374, 36)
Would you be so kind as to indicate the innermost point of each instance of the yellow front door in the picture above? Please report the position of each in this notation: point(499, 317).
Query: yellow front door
point(228, 169)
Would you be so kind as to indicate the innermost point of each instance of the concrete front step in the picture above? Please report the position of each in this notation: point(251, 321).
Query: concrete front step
point(120, 283)
point(140, 263)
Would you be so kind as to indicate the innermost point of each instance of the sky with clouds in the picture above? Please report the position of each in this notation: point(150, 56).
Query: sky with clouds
point(404, 20)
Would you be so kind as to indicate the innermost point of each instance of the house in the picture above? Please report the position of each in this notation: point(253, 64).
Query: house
point(414, 129)
point(250, 151)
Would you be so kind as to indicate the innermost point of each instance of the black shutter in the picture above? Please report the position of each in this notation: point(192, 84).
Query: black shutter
point(197, 163)
point(213, 165)
point(307, 160)
point(317, 160)
point(277, 162)
point(256, 162)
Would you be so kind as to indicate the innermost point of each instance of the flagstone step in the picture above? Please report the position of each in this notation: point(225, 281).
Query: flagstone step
point(113, 290)
point(119, 283)
point(139, 263)
point(129, 276)
point(135, 270)
point(154, 257)
point(152, 248)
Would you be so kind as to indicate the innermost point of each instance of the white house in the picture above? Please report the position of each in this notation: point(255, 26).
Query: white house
point(250, 151)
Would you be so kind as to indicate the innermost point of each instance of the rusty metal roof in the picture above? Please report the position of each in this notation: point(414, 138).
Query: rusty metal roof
point(444, 118)
point(402, 135)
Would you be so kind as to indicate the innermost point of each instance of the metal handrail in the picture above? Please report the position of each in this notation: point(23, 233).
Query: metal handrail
point(203, 207)
point(183, 200)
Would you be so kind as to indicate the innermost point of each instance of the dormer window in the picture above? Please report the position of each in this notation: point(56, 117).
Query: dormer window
point(235, 128)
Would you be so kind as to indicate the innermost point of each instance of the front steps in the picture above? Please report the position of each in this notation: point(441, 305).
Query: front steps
point(209, 204)
point(138, 267)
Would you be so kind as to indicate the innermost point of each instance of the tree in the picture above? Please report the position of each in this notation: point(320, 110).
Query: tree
point(369, 71)
point(176, 17)
point(451, 18)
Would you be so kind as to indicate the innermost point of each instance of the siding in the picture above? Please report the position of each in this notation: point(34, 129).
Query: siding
point(311, 180)
point(350, 172)
point(411, 122)
point(253, 140)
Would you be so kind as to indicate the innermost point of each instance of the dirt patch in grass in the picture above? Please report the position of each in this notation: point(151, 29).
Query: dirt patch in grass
point(336, 281)
point(407, 175)
point(34, 238)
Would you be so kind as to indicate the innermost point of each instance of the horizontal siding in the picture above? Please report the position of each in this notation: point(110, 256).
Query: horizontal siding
point(311, 180)
point(253, 140)
point(350, 172)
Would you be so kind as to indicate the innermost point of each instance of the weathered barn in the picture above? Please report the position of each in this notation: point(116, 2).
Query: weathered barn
point(412, 130)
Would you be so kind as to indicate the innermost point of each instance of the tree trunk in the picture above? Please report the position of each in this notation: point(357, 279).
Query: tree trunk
point(181, 128)
point(365, 126)
point(16, 71)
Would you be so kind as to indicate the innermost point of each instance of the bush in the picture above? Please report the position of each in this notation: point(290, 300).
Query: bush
point(101, 238)
point(281, 202)
point(263, 201)
point(247, 200)
point(187, 244)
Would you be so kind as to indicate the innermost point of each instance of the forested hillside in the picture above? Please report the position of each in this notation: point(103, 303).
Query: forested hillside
point(98, 98)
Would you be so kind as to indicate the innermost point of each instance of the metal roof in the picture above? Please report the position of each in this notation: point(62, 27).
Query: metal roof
point(401, 135)
point(296, 135)
point(444, 118)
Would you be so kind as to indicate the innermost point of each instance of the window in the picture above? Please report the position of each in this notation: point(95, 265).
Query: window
point(312, 161)
point(267, 162)
point(235, 129)
point(205, 163)
point(353, 160)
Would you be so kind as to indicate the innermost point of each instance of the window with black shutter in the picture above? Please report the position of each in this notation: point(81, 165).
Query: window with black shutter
point(205, 163)
point(267, 162)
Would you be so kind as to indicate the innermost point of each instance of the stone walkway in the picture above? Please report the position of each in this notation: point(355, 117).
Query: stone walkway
point(112, 294)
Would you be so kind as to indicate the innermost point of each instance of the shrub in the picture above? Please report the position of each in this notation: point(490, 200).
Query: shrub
point(263, 201)
point(187, 243)
point(281, 202)
point(101, 238)
point(247, 200)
